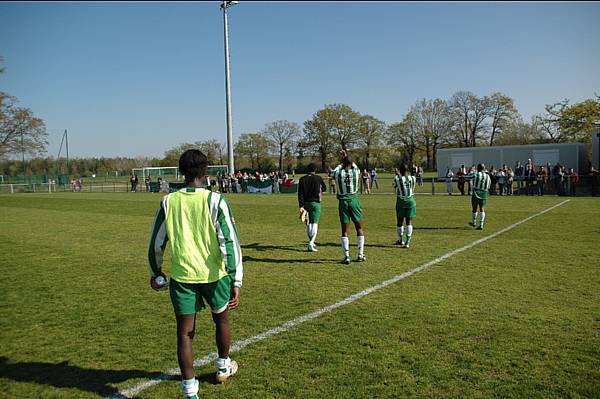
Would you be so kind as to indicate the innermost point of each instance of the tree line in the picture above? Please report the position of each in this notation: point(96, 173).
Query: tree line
point(463, 120)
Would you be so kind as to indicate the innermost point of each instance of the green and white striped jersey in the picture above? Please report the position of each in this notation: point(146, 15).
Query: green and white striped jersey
point(405, 186)
point(481, 181)
point(346, 181)
point(205, 246)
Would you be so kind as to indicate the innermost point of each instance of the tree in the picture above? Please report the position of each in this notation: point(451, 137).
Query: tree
point(404, 134)
point(317, 137)
point(502, 112)
point(432, 118)
point(283, 136)
point(563, 122)
point(20, 130)
point(519, 132)
point(172, 155)
point(469, 113)
point(254, 146)
point(370, 133)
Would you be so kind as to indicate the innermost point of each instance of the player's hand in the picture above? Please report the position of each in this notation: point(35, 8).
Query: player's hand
point(343, 154)
point(153, 283)
point(234, 298)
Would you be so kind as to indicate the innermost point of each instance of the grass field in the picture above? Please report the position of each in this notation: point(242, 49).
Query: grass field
point(516, 316)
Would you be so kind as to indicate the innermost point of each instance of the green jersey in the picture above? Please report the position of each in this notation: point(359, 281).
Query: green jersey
point(346, 181)
point(481, 181)
point(204, 241)
point(405, 186)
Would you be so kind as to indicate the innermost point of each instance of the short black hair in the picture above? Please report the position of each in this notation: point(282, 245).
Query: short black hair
point(311, 167)
point(192, 164)
point(480, 167)
point(403, 169)
point(346, 161)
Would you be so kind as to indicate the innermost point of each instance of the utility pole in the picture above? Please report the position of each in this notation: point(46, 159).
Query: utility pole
point(224, 7)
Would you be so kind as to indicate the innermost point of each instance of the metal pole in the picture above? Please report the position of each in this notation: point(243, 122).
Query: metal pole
point(23, 154)
point(224, 6)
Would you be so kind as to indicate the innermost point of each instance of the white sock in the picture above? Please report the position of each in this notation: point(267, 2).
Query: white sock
point(346, 247)
point(409, 230)
point(309, 232)
point(315, 229)
point(474, 217)
point(190, 387)
point(361, 244)
point(400, 230)
point(482, 218)
point(222, 363)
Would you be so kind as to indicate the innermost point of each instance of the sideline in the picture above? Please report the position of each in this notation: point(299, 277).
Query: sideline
point(239, 345)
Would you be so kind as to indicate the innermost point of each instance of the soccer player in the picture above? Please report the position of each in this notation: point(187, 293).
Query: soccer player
point(406, 206)
point(310, 190)
point(481, 186)
point(206, 264)
point(346, 176)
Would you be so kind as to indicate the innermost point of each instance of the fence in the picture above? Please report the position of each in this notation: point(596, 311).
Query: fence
point(588, 185)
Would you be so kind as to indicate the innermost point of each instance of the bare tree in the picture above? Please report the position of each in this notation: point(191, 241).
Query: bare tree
point(432, 119)
point(470, 113)
point(503, 114)
point(20, 130)
point(405, 134)
point(283, 135)
point(370, 133)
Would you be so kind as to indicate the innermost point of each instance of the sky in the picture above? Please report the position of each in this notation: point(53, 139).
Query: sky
point(136, 79)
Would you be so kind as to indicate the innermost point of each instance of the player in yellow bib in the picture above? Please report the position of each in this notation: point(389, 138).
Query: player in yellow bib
point(206, 264)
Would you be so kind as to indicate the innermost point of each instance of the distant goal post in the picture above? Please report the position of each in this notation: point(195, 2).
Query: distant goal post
point(172, 172)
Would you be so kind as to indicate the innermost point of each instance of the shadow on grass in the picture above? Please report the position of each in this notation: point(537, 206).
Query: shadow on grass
point(260, 247)
point(269, 260)
point(64, 375)
point(444, 228)
point(367, 245)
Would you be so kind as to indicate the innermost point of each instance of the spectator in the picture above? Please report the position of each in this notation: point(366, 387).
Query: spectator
point(501, 181)
point(529, 177)
point(460, 175)
point(148, 181)
point(493, 180)
point(449, 176)
point(573, 181)
point(366, 182)
point(469, 176)
point(331, 182)
point(519, 173)
point(542, 179)
point(510, 176)
point(420, 176)
point(275, 183)
point(593, 180)
point(374, 181)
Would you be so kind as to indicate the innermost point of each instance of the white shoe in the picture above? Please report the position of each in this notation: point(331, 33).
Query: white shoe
point(361, 258)
point(312, 248)
point(224, 374)
point(346, 260)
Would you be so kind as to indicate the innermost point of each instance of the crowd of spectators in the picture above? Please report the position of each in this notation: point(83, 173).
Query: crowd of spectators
point(524, 179)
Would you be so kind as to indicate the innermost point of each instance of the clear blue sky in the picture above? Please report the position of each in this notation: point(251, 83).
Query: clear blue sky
point(138, 78)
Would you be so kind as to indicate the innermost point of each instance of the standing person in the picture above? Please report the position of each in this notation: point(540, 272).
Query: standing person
point(494, 179)
point(529, 177)
point(374, 181)
point(542, 179)
point(132, 182)
point(573, 181)
point(519, 173)
point(366, 181)
point(510, 177)
point(310, 189)
point(449, 176)
point(593, 179)
point(346, 176)
point(460, 175)
point(481, 186)
point(406, 206)
point(420, 176)
point(501, 181)
point(331, 182)
point(206, 264)
point(148, 181)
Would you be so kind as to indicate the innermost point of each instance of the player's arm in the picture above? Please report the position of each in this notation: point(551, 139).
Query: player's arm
point(157, 243)
point(301, 193)
point(229, 242)
point(323, 186)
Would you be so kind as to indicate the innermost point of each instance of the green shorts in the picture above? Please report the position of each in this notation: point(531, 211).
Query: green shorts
point(187, 298)
point(405, 209)
point(479, 198)
point(349, 209)
point(314, 211)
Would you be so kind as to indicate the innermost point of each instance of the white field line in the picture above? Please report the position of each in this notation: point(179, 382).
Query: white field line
point(239, 345)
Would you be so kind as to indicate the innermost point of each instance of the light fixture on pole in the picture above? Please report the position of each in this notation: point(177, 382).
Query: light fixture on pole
point(224, 7)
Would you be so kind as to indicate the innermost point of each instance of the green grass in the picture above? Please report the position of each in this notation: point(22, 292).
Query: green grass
point(517, 316)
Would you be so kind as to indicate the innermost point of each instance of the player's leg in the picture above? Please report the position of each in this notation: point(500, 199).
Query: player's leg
point(409, 231)
point(314, 216)
point(473, 210)
point(345, 243)
point(399, 224)
point(481, 216)
point(217, 295)
point(186, 329)
point(356, 216)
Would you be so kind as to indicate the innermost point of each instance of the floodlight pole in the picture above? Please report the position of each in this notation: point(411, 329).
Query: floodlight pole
point(224, 7)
